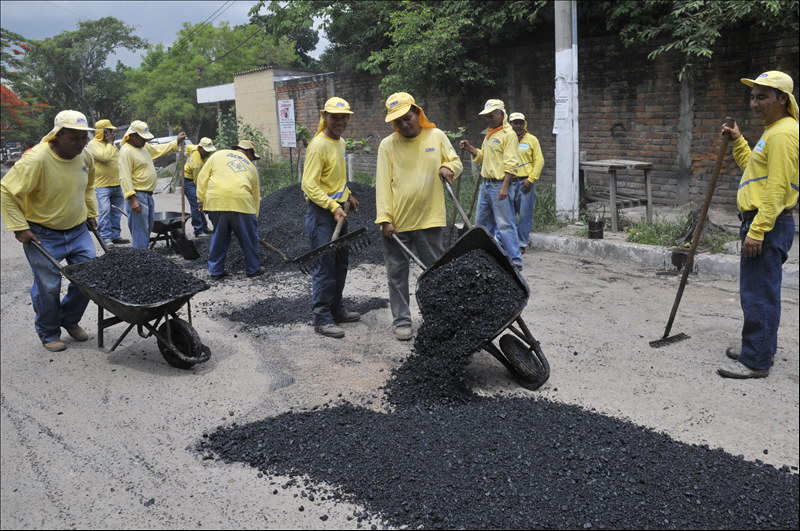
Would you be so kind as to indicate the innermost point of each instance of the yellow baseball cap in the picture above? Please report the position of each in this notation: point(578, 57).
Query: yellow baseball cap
point(207, 144)
point(777, 80)
point(68, 120)
point(337, 106)
point(516, 116)
point(104, 124)
point(398, 104)
point(246, 144)
point(493, 105)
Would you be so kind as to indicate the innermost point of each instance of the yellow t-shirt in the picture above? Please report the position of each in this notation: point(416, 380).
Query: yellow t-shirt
point(106, 164)
point(531, 160)
point(408, 191)
point(324, 172)
point(769, 182)
point(136, 168)
point(229, 182)
point(44, 188)
point(194, 163)
point(498, 154)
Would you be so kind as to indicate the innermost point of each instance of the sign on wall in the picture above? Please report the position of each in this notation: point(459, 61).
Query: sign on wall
point(286, 123)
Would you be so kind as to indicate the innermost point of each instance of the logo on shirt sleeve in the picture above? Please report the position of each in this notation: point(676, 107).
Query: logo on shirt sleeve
point(760, 146)
point(430, 149)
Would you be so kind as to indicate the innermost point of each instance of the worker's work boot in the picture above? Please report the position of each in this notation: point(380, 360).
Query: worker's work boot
point(347, 317)
point(739, 370)
point(77, 333)
point(329, 330)
point(55, 346)
point(733, 353)
point(403, 333)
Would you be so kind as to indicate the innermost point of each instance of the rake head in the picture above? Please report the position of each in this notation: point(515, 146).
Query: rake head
point(353, 241)
point(664, 341)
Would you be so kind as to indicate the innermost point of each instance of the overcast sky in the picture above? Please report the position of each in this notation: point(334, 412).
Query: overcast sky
point(153, 21)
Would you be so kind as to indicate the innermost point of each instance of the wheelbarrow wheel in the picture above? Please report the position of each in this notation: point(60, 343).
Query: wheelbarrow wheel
point(531, 367)
point(189, 350)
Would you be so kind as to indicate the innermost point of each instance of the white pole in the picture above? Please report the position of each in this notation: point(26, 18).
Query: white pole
point(565, 123)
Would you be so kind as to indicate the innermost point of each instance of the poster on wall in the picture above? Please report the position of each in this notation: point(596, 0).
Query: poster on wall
point(286, 123)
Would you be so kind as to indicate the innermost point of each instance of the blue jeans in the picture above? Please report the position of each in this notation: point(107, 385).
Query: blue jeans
point(245, 227)
point(760, 294)
point(199, 222)
point(523, 207)
point(52, 312)
point(141, 224)
point(108, 221)
point(330, 272)
point(498, 217)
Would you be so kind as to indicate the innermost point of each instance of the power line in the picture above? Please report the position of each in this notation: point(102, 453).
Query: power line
point(236, 47)
point(65, 9)
point(207, 21)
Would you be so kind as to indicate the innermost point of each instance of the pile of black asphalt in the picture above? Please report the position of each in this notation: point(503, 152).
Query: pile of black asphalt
point(135, 276)
point(280, 311)
point(440, 456)
point(281, 223)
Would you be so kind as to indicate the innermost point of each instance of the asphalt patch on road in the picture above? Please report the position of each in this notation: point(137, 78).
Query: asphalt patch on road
point(281, 311)
point(135, 276)
point(511, 463)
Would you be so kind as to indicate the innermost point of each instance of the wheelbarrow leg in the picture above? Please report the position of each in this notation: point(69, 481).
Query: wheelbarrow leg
point(118, 341)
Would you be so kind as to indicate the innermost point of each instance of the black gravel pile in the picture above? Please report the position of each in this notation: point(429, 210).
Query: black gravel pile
point(512, 464)
point(281, 223)
point(463, 303)
point(135, 276)
point(279, 311)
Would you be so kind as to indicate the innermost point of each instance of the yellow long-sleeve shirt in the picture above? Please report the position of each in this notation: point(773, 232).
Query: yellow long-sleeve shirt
point(531, 160)
point(44, 188)
point(194, 163)
point(106, 163)
point(136, 168)
point(229, 182)
point(324, 172)
point(408, 190)
point(769, 182)
point(498, 154)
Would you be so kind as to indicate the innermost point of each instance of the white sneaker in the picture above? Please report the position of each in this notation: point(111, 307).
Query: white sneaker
point(403, 333)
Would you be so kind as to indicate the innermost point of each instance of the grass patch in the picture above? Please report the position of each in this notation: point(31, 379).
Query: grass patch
point(668, 233)
point(545, 217)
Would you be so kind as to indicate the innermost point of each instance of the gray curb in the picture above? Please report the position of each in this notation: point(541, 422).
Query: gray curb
point(650, 256)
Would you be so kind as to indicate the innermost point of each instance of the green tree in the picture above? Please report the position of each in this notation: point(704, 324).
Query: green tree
point(282, 20)
point(690, 28)
point(66, 71)
point(163, 90)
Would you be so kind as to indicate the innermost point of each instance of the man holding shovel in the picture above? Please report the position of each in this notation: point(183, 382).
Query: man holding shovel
point(196, 159)
point(498, 154)
point(412, 162)
point(106, 182)
point(523, 187)
point(47, 197)
point(325, 186)
point(767, 192)
point(138, 178)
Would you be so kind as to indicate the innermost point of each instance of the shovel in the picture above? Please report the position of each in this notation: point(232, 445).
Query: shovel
point(274, 249)
point(666, 339)
point(186, 247)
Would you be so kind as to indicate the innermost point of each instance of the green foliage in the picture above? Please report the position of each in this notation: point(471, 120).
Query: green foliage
point(163, 89)
point(545, 214)
point(282, 20)
point(231, 128)
point(668, 233)
point(351, 145)
point(454, 137)
point(302, 136)
point(274, 174)
point(690, 28)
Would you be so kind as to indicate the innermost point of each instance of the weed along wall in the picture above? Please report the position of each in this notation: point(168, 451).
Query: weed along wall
point(630, 107)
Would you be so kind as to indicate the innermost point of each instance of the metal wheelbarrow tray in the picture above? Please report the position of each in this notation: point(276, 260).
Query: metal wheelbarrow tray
point(165, 225)
point(177, 340)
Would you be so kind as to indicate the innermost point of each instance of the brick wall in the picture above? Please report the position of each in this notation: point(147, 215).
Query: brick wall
point(629, 106)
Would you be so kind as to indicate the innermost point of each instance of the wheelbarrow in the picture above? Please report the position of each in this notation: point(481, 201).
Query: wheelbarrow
point(178, 342)
point(518, 351)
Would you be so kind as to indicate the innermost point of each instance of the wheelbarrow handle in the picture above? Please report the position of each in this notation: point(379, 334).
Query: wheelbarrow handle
point(408, 252)
point(97, 235)
point(46, 254)
point(461, 212)
point(120, 210)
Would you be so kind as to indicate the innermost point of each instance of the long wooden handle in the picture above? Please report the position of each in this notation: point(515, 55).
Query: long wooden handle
point(698, 229)
point(408, 251)
point(340, 223)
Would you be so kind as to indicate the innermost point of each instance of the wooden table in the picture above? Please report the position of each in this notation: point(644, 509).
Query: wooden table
point(613, 198)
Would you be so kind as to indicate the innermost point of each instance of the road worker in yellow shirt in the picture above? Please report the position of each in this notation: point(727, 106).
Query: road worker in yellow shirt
point(523, 187)
point(325, 186)
point(138, 178)
point(499, 159)
point(106, 182)
point(47, 198)
point(412, 163)
point(195, 160)
point(228, 187)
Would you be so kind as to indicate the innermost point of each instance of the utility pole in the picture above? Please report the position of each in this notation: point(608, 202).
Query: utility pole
point(565, 123)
